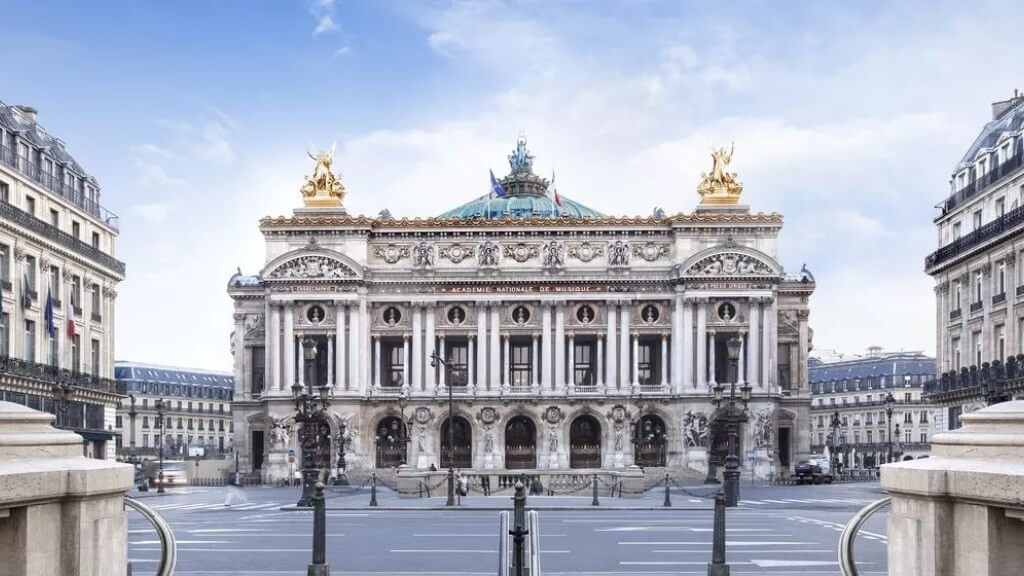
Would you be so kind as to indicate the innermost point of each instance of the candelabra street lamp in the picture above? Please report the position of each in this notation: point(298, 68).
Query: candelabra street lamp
point(161, 407)
point(733, 416)
point(342, 478)
point(435, 360)
point(890, 402)
point(62, 393)
point(314, 426)
point(897, 442)
point(834, 440)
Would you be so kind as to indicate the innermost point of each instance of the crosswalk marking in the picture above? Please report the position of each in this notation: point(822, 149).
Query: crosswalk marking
point(218, 506)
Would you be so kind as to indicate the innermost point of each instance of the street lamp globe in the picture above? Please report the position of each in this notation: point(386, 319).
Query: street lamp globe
point(733, 346)
point(309, 349)
point(745, 392)
point(719, 392)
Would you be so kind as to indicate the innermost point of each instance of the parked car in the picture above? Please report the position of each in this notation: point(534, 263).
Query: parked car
point(813, 471)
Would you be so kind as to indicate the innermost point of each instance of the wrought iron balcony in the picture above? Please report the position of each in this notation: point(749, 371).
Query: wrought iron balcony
point(999, 298)
point(989, 381)
point(1020, 290)
point(56, 186)
point(22, 218)
point(976, 306)
point(997, 175)
point(954, 314)
point(1012, 220)
point(53, 375)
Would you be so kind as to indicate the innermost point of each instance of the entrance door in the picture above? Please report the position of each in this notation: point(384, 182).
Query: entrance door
point(585, 443)
point(520, 444)
point(463, 440)
point(391, 442)
point(784, 454)
point(257, 449)
point(650, 446)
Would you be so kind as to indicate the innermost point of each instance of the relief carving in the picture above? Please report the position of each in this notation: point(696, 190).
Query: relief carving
point(391, 253)
point(311, 267)
point(729, 264)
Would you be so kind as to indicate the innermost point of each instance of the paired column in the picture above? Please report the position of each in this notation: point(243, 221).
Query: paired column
point(677, 345)
point(470, 365)
point(686, 361)
point(773, 342)
point(741, 366)
point(754, 349)
point(495, 347)
point(440, 352)
point(377, 363)
point(339, 349)
point(330, 360)
point(712, 380)
point(301, 361)
point(289, 347)
point(766, 346)
point(505, 375)
point(354, 383)
point(363, 346)
point(431, 346)
point(599, 368)
point(534, 368)
point(624, 379)
point(572, 362)
point(610, 367)
point(702, 344)
point(664, 361)
point(560, 346)
point(801, 363)
point(545, 346)
point(406, 360)
point(417, 347)
point(481, 342)
point(269, 338)
point(635, 379)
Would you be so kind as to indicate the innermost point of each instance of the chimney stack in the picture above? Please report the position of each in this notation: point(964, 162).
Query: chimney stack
point(1004, 106)
point(27, 112)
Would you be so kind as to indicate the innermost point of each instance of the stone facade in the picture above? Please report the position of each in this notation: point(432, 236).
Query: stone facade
point(573, 342)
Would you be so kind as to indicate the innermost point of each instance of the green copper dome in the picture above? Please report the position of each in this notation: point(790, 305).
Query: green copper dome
point(525, 195)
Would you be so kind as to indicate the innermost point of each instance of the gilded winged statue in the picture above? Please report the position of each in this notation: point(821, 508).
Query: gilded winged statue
point(323, 182)
point(720, 186)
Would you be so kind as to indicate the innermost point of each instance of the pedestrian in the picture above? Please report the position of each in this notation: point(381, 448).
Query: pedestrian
point(485, 483)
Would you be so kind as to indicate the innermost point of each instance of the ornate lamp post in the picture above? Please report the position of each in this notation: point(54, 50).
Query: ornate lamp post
point(403, 434)
point(897, 441)
point(890, 402)
point(131, 422)
point(733, 415)
point(161, 407)
point(314, 430)
point(342, 478)
point(834, 439)
point(62, 393)
point(435, 359)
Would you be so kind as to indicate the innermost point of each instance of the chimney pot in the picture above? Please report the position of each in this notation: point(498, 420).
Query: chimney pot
point(28, 112)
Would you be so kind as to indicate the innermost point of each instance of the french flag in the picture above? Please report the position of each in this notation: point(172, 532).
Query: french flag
point(554, 191)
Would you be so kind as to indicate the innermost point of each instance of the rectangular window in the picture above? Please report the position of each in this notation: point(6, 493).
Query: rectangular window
point(924, 437)
point(647, 363)
point(1000, 207)
point(954, 416)
point(30, 205)
point(393, 371)
point(145, 421)
point(784, 368)
point(956, 353)
point(97, 311)
point(881, 436)
point(1001, 278)
point(583, 363)
point(956, 231)
point(977, 219)
point(258, 366)
point(821, 438)
point(906, 436)
point(924, 417)
point(30, 341)
point(956, 295)
point(908, 417)
point(30, 273)
point(977, 286)
point(520, 368)
point(95, 357)
point(76, 230)
point(96, 240)
point(977, 348)
point(906, 396)
point(456, 353)
point(76, 354)
point(1001, 342)
point(76, 295)
point(5, 337)
point(869, 434)
point(52, 359)
point(145, 440)
point(5, 265)
point(5, 192)
point(54, 218)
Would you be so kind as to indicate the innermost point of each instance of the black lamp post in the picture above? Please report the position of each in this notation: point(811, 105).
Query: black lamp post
point(161, 406)
point(435, 359)
point(314, 430)
point(890, 402)
point(342, 478)
point(897, 441)
point(733, 416)
point(403, 434)
point(62, 393)
point(131, 422)
point(834, 440)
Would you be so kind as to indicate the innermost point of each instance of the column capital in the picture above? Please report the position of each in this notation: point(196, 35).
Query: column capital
point(471, 336)
point(505, 336)
point(635, 335)
point(742, 332)
point(570, 335)
point(711, 332)
point(664, 335)
point(535, 335)
point(330, 336)
point(405, 336)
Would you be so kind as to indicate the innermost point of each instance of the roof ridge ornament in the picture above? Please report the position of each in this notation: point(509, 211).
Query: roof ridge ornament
point(720, 187)
point(324, 188)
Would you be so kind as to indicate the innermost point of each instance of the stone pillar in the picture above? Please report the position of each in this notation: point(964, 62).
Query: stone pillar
point(664, 361)
point(571, 379)
point(353, 349)
point(624, 378)
point(300, 360)
point(545, 347)
point(773, 348)
point(741, 365)
point(686, 361)
point(534, 367)
point(481, 343)
point(269, 338)
point(506, 376)
point(702, 345)
point(610, 372)
point(363, 345)
point(677, 344)
point(635, 365)
point(289, 347)
point(339, 349)
point(430, 348)
point(238, 360)
point(470, 373)
point(496, 363)
point(712, 381)
point(802, 315)
point(330, 360)
point(417, 347)
point(405, 362)
point(441, 372)
point(1011, 306)
point(600, 361)
point(766, 343)
point(378, 364)
point(560, 346)
point(754, 347)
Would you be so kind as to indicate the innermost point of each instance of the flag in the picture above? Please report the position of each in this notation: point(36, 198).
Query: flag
point(496, 188)
point(554, 191)
point(26, 300)
point(72, 332)
point(51, 328)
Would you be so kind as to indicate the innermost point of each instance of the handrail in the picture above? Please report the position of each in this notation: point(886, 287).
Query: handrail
point(847, 567)
point(504, 560)
point(533, 525)
point(168, 547)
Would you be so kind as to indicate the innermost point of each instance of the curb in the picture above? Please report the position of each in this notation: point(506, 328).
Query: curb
point(495, 509)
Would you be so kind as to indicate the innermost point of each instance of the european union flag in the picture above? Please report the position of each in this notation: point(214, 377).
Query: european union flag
point(51, 328)
point(496, 188)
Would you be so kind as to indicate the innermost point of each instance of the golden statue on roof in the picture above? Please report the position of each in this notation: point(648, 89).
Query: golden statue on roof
point(324, 188)
point(720, 186)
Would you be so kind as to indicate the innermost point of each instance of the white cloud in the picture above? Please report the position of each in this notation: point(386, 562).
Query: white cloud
point(154, 212)
point(323, 12)
point(343, 51)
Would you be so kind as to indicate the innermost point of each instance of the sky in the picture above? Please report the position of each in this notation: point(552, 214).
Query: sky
point(195, 116)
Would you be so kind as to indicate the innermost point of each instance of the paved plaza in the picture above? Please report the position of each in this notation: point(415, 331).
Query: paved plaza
point(775, 530)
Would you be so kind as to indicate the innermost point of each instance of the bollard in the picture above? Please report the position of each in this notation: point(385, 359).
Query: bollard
point(519, 530)
point(668, 498)
point(373, 489)
point(319, 567)
point(718, 567)
point(595, 502)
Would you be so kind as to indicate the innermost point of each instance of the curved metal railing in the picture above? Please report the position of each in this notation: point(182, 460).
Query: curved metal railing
point(533, 525)
point(168, 548)
point(504, 557)
point(847, 567)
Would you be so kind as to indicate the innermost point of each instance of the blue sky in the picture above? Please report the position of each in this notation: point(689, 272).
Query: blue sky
point(195, 116)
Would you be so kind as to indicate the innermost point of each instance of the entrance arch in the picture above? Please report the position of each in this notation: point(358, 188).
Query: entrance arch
point(585, 442)
point(391, 441)
point(463, 453)
point(651, 445)
point(520, 443)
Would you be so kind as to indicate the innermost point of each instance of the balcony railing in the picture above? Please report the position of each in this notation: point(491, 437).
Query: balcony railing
point(22, 218)
point(990, 381)
point(976, 306)
point(995, 176)
point(53, 375)
point(999, 298)
point(1005, 223)
point(954, 314)
point(1020, 290)
point(54, 185)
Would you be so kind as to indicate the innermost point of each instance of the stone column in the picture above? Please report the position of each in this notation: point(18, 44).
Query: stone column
point(496, 363)
point(766, 343)
point(238, 359)
point(405, 362)
point(624, 378)
point(610, 372)
point(277, 380)
point(571, 382)
point(677, 344)
point(330, 360)
point(560, 346)
point(481, 343)
point(269, 382)
point(1011, 307)
point(686, 362)
point(741, 365)
point(545, 347)
point(506, 376)
point(300, 359)
point(635, 365)
point(534, 368)
point(664, 361)
point(754, 344)
point(470, 365)
point(339, 349)
point(712, 380)
point(802, 315)
point(353, 349)
point(289, 347)
point(702, 345)
point(417, 347)
point(599, 368)
point(431, 346)
point(378, 364)
point(441, 372)
point(363, 345)
point(773, 339)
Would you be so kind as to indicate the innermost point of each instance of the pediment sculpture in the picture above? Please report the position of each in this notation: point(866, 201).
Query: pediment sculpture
point(312, 268)
point(729, 264)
